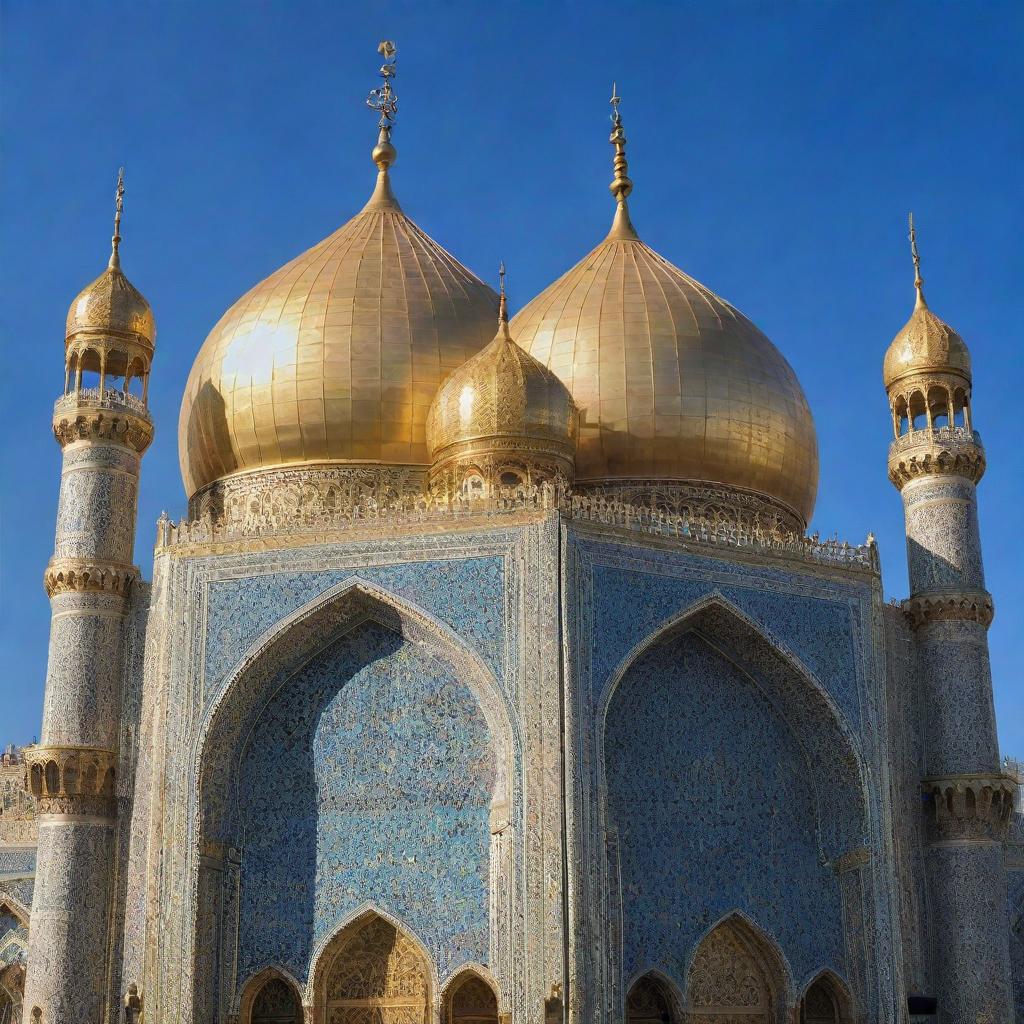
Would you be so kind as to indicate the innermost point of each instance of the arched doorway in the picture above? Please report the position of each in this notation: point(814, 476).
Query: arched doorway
point(375, 974)
point(825, 1002)
point(276, 1003)
point(735, 978)
point(649, 1002)
point(470, 1000)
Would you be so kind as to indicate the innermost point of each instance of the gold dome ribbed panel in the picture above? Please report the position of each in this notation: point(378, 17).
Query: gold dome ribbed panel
point(671, 381)
point(337, 356)
point(926, 344)
point(502, 391)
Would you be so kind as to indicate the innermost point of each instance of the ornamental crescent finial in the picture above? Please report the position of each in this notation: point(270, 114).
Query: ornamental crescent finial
point(115, 241)
point(916, 256)
point(384, 100)
point(621, 185)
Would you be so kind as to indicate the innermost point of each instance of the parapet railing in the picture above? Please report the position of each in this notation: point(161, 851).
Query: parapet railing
point(108, 398)
point(423, 510)
point(934, 435)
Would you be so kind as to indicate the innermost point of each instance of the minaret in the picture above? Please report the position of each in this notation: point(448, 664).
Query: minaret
point(103, 431)
point(936, 460)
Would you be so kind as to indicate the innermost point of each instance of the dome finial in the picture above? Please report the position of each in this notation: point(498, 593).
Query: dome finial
point(621, 185)
point(385, 101)
point(918, 279)
point(502, 302)
point(115, 241)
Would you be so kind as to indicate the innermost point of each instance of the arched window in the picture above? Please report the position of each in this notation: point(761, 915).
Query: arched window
point(918, 411)
point(938, 403)
point(735, 977)
point(649, 1002)
point(276, 1003)
point(470, 1000)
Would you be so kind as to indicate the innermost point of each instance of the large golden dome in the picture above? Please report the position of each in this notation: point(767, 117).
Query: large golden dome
point(335, 357)
point(672, 382)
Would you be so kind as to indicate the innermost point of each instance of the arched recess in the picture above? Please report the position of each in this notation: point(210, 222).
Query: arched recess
point(826, 1000)
point(651, 1000)
point(809, 710)
point(470, 998)
point(263, 673)
point(271, 997)
point(12, 992)
point(736, 976)
point(729, 780)
point(373, 971)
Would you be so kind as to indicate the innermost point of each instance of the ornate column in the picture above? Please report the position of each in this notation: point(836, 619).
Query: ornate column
point(72, 773)
point(968, 802)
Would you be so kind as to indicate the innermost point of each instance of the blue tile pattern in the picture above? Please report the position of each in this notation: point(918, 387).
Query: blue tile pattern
point(368, 777)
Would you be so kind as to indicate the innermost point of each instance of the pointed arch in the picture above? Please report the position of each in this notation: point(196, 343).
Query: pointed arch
point(826, 1000)
point(271, 996)
point(372, 968)
point(737, 974)
point(298, 638)
point(652, 998)
point(470, 997)
point(828, 744)
point(15, 908)
point(262, 672)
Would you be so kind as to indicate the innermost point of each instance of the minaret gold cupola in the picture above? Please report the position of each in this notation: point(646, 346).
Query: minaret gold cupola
point(500, 422)
point(110, 331)
point(328, 367)
point(927, 368)
point(682, 399)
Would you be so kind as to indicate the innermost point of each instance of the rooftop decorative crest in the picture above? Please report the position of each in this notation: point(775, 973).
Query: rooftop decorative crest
point(621, 185)
point(916, 256)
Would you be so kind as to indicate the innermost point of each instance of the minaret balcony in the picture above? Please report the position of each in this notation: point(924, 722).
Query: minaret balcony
point(94, 398)
point(934, 450)
point(94, 414)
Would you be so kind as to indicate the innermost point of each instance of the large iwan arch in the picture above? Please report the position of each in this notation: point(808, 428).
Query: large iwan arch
point(728, 773)
point(379, 632)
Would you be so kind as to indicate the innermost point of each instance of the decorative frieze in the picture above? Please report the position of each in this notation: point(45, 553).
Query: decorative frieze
point(75, 575)
point(70, 779)
point(968, 606)
point(940, 450)
point(974, 806)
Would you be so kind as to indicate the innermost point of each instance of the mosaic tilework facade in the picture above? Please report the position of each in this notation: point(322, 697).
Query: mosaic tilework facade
point(387, 720)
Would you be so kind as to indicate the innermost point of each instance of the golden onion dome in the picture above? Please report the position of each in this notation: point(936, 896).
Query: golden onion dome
point(502, 396)
point(111, 308)
point(925, 344)
point(673, 383)
point(336, 357)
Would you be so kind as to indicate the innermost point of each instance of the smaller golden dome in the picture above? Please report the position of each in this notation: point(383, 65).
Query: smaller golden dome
point(503, 402)
point(111, 308)
point(925, 344)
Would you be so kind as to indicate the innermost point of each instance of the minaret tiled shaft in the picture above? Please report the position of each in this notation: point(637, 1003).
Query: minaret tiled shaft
point(936, 460)
point(103, 433)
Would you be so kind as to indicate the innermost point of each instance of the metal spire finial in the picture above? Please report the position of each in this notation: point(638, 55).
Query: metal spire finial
point(502, 301)
point(918, 279)
point(385, 102)
point(621, 185)
point(115, 241)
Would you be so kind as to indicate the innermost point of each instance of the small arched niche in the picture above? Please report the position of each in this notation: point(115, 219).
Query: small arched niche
point(650, 1002)
point(736, 977)
point(271, 999)
point(470, 999)
point(826, 1001)
point(374, 971)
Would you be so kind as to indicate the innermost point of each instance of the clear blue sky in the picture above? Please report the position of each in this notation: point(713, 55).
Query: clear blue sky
point(776, 149)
